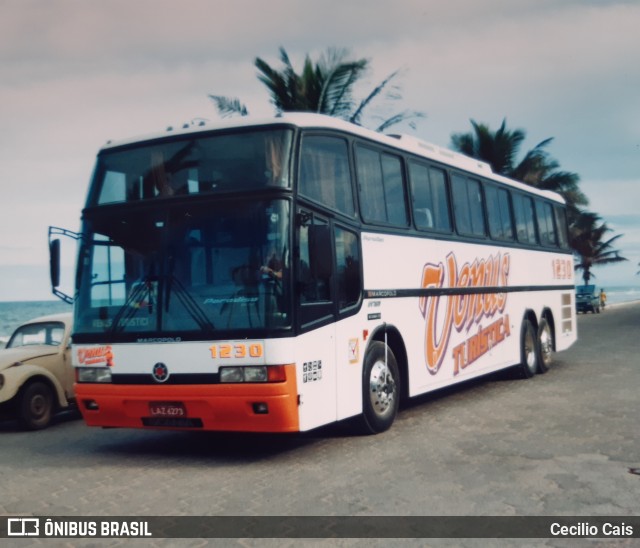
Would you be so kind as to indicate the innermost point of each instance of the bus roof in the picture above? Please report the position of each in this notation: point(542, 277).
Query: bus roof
point(309, 120)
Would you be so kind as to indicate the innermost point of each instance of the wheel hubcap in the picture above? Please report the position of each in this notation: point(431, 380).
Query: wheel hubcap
point(39, 405)
point(546, 345)
point(382, 389)
point(529, 352)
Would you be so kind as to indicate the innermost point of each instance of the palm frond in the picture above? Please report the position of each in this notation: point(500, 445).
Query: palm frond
point(276, 83)
point(336, 94)
point(463, 142)
point(355, 117)
point(229, 106)
point(401, 117)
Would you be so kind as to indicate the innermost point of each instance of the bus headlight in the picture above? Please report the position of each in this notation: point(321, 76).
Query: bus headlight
point(93, 374)
point(250, 373)
point(231, 374)
point(255, 374)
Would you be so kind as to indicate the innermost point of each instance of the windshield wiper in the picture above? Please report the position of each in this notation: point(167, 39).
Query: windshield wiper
point(127, 311)
point(189, 303)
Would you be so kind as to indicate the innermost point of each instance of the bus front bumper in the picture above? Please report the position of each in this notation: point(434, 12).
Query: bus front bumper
point(260, 407)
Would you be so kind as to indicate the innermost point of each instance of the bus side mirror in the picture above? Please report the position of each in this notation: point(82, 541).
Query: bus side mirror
point(55, 252)
point(54, 263)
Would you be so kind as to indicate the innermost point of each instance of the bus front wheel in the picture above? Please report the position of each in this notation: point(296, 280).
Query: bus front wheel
point(380, 389)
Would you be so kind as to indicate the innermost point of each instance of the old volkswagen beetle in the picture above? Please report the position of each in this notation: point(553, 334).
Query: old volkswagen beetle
point(36, 377)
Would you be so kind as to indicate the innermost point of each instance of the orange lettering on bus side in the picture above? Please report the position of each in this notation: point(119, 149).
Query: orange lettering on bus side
point(461, 311)
point(435, 346)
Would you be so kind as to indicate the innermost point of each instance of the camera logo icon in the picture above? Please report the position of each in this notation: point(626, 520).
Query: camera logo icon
point(23, 527)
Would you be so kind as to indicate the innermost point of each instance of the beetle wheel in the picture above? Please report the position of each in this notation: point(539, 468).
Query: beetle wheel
point(35, 407)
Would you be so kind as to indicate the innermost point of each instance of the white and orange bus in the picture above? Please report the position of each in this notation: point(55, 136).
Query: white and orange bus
point(280, 275)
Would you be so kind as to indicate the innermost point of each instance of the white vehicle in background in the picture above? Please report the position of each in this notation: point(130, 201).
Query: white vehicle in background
point(36, 377)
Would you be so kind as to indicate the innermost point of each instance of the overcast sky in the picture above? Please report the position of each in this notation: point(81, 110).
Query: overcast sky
point(74, 74)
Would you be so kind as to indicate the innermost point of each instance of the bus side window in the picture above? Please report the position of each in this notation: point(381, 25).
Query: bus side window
point(430, 199)
point(544, 213)
point(499, 213)
point(315, 263)
point(381, 185)
point(468, 207)
point(314, 270)
point(525, 226)
point(349, 279)
point(561, 226)
point(440, 199)
point(324, 172)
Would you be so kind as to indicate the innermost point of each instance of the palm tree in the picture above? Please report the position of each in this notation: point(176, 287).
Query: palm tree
point(325, 87)
point(587, 242)
point(497, 148)
point(500, 149)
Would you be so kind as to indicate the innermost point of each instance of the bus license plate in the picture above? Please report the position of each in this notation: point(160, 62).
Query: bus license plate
point(167, 409)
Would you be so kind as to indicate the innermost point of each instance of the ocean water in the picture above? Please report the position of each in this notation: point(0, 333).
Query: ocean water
point(12, 314)
point(616, 295)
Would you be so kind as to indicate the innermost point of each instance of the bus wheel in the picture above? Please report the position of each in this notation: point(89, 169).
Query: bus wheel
point(528, 350)
point(380, 389)
point(35, 407)
point(545, 345)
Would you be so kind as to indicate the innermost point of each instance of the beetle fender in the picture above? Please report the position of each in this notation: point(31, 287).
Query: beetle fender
point(15, 377)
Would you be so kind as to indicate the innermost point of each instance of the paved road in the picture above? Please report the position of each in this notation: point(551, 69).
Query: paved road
point(564, 443)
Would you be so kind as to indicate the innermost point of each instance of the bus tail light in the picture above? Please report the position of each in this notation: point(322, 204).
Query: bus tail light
point(252, 374)
point(276, 373)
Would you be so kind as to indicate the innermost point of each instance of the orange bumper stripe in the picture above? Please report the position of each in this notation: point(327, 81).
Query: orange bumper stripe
point(220, 407)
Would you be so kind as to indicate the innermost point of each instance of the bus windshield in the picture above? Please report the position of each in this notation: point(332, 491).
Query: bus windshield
point(184, 270)
point(248, 160)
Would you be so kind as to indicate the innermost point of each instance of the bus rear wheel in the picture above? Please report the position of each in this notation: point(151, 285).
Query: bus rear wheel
point(380, 389)
point(529, 354)
point(545, 345)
